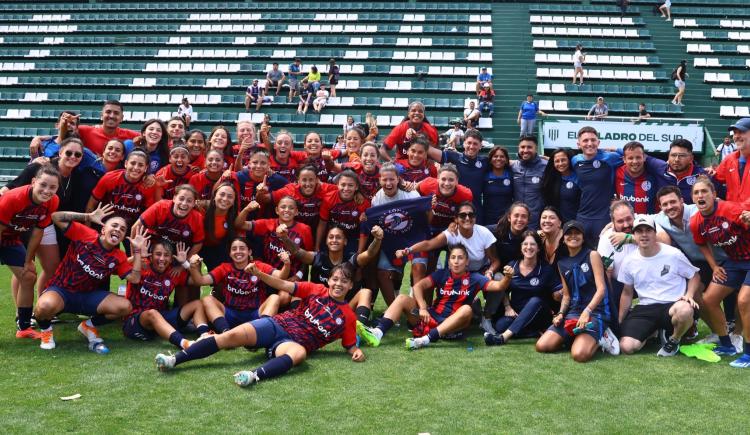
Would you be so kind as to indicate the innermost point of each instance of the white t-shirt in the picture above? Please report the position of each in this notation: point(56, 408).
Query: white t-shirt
point(660, 279)
point(477, 244)
point(577, 58)
point(182, 110)
point(605, 249)
point(381, 198)
point(470, 112)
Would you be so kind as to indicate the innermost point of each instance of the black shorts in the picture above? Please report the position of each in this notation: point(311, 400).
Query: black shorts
point(333, 81)
point(273, 83)
point(644, 320)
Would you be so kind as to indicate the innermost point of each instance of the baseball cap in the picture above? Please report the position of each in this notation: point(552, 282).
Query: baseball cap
point(569, 225)
point(644, 220)
point(742, 125)
point(484, 68)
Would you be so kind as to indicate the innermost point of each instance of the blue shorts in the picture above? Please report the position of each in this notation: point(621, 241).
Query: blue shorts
point(132, 327)
point(385, 264)
point(738, 274)
point(238, 317)
point(13, 255)
point(597, 332)
point(80, 303)
point(269, 335)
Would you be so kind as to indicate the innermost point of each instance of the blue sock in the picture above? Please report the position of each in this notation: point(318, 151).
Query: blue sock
point(385, 324)
point(176, 338)
point(200, 349)
point(220, 324)
point(434, 335)
point(275, 367)
point(725, 341)
point(24, 317)
point(202, 328)
point(363, 314)
point(98, 320)
point(746, 348)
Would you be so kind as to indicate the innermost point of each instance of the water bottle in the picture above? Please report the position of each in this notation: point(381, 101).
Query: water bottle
point(121, 290)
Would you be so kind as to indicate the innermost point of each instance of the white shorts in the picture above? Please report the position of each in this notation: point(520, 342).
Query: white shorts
point(668, 3)
point(679, 84)
point(50, 236)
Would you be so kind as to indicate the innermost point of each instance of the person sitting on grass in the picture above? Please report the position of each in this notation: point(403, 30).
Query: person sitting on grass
point(79, 283)
point(450, 312)
point(584, 286)
point(667, 285)
point(240, 298)
point(322, 317)
point(151, 314)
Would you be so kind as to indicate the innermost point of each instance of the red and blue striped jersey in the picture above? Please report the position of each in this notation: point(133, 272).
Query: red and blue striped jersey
point(344, 214)
point(241, 290)
point(161, 222)
point(415, 174)
point(19, 214)
point(445, 208)
point(176, 179)
point(308, 207)
point(723, 228)
point(299, 233)
point(203, 184)
point(454, 291)
point(319, 319)
point(153, 292)
point(129, 199)
point(639, 192)
point(87, 265)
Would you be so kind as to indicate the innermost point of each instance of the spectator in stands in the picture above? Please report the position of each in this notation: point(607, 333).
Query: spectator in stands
point(454, 136)
point(274, 78)
point(313, 78)
point(340, 144)
point(623, 5)
point(305, 97)
point(679, 74)
point(94, 138)
point(579, 57)
point(528, 171)
point(321, 98)
point(414, 125)
point(471, 115)
point(487, 100)
point(527, 116)
point(254, 95)
point(666, 10)
point(185, 111)
point(66, 126)
point(294, 73)
point(333, 76)
point(349, 124)
point(598, 111)
point(725, 148)
point(642, 113)
point(734, 170)
point(482, 78)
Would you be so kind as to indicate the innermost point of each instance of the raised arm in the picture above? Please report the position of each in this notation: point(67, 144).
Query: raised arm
point(373, 249)
point(241, 222)
point(503, 284)
point(277, 283)
point(63, 218)
point(306, 257)
point(137, 245)
point(195, 272)
point(425, 245)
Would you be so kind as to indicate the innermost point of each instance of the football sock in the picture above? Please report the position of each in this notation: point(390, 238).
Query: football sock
point(44, 324)
point(275, 367)
point(220, 324)
point(363, 314)
point(24, 317)
point(199, 349)
point(724, 340)
point(385, 324)
point(176, 338)
point(433, 335)
point(97, 320)
point(746, 348)
point(202, 328)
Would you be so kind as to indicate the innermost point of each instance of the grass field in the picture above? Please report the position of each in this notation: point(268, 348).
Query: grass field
point(452, 387)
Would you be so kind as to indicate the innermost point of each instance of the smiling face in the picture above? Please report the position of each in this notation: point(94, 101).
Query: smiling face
point(196, 144)
point(672, 206)
point(219, 140)
point(335, 240)
point(44, 188)
point(573, 239)
point(519, 219)
point(347, 188)
point(588, 143)
point(152, 133)
point(471, 147)
point(549, 222)
point(113, 232)
point(113, 152)
point(389, 182)
point(622, 219)
point(313, 145)
point(224, 198)
point(529, 248)
point(499, 161)
point(286, 210)
point(258, 165)
point(70, 155)
point(416, 155)
point(283, 146)
point(184, 202)
point(214, 161)
point(245, 133)
point(179, 159)
point(339, 285)
point(353, 142)
point(308, 182)
point(176, 129)
point(111, 116)
point(466, 217)
point(526, 150)
point(161, 258)
point(634, 161)
point(704, 197)
point(369, 158)
point(742, 141)
point(561, 162)
point(239, 253)
point(447, 182)
point(416, 114)
point(458, 261)
point(135, 167)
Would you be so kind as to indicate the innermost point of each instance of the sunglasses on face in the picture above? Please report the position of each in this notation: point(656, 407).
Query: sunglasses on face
point(70, 153)
point(469, 215)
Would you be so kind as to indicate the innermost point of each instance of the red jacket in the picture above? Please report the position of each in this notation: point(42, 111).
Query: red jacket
point(728, 173)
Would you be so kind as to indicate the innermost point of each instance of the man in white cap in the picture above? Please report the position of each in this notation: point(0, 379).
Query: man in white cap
point(666, 283)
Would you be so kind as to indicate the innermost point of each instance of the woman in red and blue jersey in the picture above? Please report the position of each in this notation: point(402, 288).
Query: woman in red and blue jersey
point(415, 167)
point(322, 317)
point(205, 180)
point(345, 209)
point(176, 173)
point(254, 178)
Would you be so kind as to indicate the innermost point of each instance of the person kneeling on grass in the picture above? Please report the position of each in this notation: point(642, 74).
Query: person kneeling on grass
point(450, 311)
point(243, 298)
point(584, 310)
point(666, 284)
point(76, 286)
point(151, 315)
point(323, 316)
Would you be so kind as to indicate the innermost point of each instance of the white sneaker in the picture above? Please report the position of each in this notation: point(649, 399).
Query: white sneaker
point(737, 342)
point(486, 325)
point(712, 338)
point(609, 342)
point(164, 362)
point(48, 340)
point(246, 378)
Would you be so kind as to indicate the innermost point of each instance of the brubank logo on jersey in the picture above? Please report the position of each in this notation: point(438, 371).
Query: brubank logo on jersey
point(88, 269)
point(311, 318)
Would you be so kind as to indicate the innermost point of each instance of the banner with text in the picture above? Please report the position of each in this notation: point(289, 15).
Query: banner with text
point(655, 136)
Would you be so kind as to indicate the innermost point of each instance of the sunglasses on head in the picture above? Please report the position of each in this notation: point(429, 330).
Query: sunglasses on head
point(469, 215)
point(77, 154)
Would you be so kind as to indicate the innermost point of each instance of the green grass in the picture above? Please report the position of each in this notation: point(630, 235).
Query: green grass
point(445, 388)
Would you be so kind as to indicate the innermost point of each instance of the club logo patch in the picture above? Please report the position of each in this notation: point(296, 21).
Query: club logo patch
point(585, 267)
point(665, 270)
point(597, 164)
point(534, 281)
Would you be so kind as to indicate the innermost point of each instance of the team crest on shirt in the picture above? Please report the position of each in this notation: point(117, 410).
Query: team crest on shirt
point(138, 197)
point(506, 182)
point(465, 281)
point(339, 321)
point(397, 221)
point(167, 283)
point(646, 185)
point(585, 267)
point(41, 217)
point(725, 225)
point(297, 240)
point(665, 270)
point(254, 279)
point(534, 281)
point(186, 233)
point(111, 265)
point(690, 180)
point(355, 213)
point(427, 171)
point(478, 164)
point(569, 185)
point(226, 225)
point(535, 180)
point(596, 164)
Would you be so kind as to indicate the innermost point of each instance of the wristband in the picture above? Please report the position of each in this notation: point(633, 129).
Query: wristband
point(407, 251)
point(186, 264)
